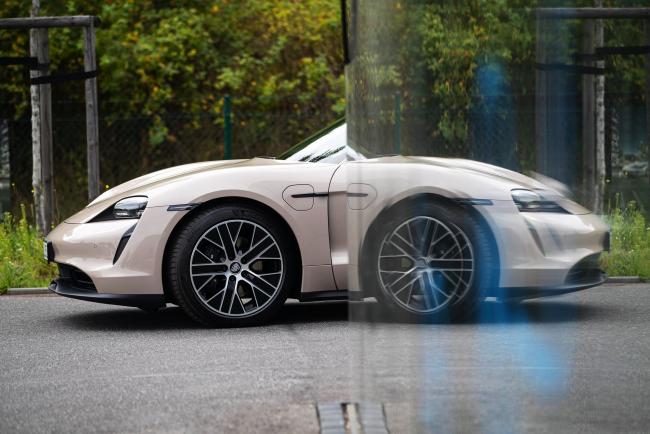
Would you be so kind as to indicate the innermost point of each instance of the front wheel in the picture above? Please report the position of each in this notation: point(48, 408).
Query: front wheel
point(429, 262)
point(231, 266)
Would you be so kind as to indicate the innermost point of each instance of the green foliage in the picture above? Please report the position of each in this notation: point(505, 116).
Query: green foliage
point(457, 36)
point(630, 249)
point(434, 53)
point(625, 73)
point(164, 69)
point(21, 255)
point(430, 53)
point(182, 56)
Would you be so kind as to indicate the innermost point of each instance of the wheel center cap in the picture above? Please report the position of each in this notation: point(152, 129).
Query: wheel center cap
point(235, 267)
point(421, 263)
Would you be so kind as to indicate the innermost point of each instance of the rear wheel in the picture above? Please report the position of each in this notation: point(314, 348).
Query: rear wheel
point(429, 262)
point(231, 266)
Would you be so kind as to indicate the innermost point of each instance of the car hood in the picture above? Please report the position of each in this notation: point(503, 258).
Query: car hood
point(507, 179)
point(141, 184)
point(177, 172)
point(164, 175)
point(485, 169)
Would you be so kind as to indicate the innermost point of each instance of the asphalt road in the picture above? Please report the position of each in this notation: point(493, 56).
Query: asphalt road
point(577, 363)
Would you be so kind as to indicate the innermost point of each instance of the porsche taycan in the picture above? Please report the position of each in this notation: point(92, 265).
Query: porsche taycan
point(230, 241)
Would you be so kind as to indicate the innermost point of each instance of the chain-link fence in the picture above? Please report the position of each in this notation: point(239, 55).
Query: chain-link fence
point(134, 145)
point(500, 130)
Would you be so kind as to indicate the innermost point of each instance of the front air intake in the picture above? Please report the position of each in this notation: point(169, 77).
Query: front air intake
point(76, 277)
point(586, 271)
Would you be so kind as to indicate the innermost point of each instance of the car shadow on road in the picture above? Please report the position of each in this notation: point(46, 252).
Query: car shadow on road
point(131, 319)
point(492, 312)
point(173, 318)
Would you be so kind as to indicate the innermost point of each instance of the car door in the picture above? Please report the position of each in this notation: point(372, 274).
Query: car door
point(349, 196)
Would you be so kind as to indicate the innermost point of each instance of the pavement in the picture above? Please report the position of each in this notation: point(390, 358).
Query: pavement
point(576, 363)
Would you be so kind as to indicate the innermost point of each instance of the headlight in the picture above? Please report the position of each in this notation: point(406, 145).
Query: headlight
point(130, 208)
point(530, 201)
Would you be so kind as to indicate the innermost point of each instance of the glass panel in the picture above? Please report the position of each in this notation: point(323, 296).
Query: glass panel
point(509, 124)
point(329, 146)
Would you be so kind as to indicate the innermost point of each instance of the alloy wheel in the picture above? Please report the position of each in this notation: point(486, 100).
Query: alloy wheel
point(426, 265)
point(236, 268)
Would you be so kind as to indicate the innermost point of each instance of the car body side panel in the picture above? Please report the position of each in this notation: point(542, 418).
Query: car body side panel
point(391, 179)
point(534, 249)
point(260, 180)
point(565, 238)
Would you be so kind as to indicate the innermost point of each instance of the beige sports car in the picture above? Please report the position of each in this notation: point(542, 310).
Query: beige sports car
point(230, 241)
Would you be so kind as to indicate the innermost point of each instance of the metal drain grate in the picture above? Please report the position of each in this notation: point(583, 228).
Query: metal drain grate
point(352, 418)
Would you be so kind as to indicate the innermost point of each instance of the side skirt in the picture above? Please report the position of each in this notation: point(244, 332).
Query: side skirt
point(324, 296)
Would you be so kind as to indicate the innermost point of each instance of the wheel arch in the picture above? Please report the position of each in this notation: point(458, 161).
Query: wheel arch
point(427, 196)
point(233, 200)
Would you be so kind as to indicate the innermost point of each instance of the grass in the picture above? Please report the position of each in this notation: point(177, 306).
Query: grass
point(22, 264)
point(21, 255)
point(630, 249)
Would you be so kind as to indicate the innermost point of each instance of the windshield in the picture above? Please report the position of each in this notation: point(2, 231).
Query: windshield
point(326, 146)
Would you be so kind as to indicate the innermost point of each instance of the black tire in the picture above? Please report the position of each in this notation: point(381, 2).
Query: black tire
point(462, 226)
point(181, 282)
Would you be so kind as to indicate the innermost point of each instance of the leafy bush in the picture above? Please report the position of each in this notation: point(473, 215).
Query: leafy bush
point(630, 250)
point(21, 255)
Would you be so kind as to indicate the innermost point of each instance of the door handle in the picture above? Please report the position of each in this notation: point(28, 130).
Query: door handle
point(301, 195)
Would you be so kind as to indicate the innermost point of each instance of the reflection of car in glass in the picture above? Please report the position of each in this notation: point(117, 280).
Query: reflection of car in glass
point(230, 241)
point(636, 169)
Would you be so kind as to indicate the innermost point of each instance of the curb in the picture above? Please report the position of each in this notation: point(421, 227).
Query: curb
point(624, 279)
point(27, 291)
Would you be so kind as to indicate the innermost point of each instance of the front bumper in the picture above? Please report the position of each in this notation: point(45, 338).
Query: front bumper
point(583, 275)
point(543, 251)
point(91, 248)
point(515, 294)
point(67, 288)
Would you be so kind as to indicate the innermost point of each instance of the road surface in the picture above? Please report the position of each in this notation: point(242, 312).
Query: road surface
point(577, 363)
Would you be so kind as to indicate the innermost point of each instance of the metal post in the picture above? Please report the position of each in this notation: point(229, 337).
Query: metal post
point(227, 128)
point(5, 168)
point(599, 93)
point(41, 102)
point(398, 123)
point(37, 181)
point(588, 120)
point(46, 133)
point(344, 31)
point(36, 125)
point(92, 113)
point(647, 94)
point(541, 104)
